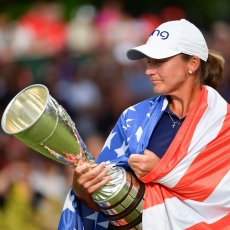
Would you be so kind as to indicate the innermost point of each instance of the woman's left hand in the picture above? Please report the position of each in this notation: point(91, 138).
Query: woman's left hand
point(143, 164)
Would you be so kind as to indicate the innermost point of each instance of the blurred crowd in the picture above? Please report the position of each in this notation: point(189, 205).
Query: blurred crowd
point(82, 61)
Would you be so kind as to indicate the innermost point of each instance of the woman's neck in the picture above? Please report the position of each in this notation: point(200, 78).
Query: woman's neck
point(181, 104)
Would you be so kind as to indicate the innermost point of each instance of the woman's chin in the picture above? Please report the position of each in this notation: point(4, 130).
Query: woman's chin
point(158, 90)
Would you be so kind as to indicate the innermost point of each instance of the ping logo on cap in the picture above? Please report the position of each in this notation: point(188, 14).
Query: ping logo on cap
point(164, 34)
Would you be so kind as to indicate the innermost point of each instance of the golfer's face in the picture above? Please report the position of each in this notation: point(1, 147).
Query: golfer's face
point(167, 75)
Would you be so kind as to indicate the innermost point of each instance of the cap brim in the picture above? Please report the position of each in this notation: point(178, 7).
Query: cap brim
point(143, 51)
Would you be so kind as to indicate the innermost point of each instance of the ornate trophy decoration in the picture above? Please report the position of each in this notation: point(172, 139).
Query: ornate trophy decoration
point(35, 118)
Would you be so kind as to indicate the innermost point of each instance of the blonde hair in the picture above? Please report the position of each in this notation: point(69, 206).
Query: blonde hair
point(210, 72)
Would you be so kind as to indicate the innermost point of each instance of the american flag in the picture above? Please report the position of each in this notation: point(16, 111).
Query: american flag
point(189, 187)
point(76, 216)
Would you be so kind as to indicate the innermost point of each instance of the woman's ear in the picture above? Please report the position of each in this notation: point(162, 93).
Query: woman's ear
point(194, 64)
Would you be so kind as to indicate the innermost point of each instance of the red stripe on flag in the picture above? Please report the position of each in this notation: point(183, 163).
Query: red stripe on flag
point(222, 224)
point(155, 194)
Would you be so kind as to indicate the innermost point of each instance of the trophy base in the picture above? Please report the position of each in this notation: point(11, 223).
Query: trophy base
point(123, 209)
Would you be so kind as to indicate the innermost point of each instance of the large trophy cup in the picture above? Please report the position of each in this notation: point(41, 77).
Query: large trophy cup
point(35, 118)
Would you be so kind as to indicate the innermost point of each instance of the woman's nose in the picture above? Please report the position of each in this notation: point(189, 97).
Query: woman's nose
point(150, 70)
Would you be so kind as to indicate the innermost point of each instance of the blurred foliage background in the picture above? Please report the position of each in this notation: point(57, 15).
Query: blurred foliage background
point(77, 49)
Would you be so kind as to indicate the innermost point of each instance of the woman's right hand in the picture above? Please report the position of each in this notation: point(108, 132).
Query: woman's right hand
point(88, 179)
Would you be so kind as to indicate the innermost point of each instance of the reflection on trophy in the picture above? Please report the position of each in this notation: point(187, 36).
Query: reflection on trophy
point(36, 119)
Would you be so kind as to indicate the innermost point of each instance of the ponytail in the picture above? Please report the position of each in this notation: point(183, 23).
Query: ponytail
point(211, 71)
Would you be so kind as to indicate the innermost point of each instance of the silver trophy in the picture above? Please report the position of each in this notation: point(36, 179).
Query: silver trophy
point(34, 117)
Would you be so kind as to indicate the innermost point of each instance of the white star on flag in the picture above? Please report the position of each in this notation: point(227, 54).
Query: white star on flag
point(108, 141)
point(130, 108)
point(126, 127)
point(68, 203)
point(93, 216)
point(139, 133)
point(121, 150)
point(104, 224)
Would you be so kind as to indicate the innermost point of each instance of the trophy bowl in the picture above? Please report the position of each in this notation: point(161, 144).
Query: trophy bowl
point(35, 118)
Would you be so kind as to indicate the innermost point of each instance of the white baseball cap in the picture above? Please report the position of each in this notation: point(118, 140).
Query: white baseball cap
point(172, 38)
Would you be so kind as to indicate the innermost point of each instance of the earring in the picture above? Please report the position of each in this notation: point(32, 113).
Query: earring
point(190, 71)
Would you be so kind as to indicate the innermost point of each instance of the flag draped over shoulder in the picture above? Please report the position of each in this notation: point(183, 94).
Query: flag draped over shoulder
point(189, 187)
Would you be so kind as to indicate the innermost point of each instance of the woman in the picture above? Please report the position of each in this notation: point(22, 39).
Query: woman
point(180, 138)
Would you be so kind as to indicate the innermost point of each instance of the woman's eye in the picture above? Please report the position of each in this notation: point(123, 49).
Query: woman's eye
point(156, 62)
point(161, 60)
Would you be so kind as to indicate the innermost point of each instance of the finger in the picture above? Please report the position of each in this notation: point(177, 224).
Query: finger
point(87, 173)
point(135, 158)
point(74, 165)
point(104, 180)
point(103, 173)
point(148, 152)
point(96, 174)
point(94, 179)
point(80, 169)
point(151, 156)
point(96, 169)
